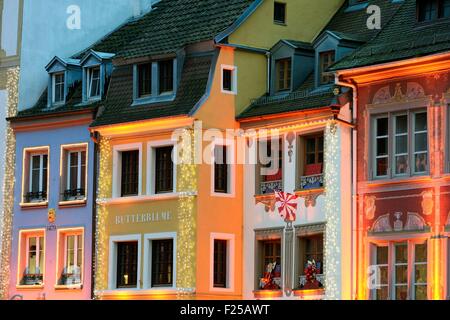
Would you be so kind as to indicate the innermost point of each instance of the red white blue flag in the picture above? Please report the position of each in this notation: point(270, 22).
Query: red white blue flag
point(287, 205)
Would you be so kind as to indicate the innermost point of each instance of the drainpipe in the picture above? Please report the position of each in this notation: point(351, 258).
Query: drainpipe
point(95, 138)
point(268, 55)
point(354, 149)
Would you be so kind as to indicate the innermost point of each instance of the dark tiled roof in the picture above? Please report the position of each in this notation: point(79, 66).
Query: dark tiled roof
point(171, 25)
point(192, 87)
point(401, 38)
point(305, 97)
point(299, 44)
point(73, 104)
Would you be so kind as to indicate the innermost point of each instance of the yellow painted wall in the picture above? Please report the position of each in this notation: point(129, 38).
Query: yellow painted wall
point(305, 19)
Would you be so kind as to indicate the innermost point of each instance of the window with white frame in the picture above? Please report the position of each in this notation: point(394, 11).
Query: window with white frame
point(127, 164)
point(400, 144)
point(35, 175)
point(93, 82)
point(33, 258)
point(229, 79)
point(222, 261)
point(74, 172)
point(71, 266)
point(401, 270)
point(160, 260)
point(58, 88)
point(162, 171)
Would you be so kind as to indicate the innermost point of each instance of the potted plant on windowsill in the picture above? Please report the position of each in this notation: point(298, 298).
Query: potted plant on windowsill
point(32, 279)
point(70, 277)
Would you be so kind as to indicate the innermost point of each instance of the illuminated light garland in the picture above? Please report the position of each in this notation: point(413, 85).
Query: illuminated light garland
point(332, 201)
point(100, 265)
point(187, 188)
point(12, 84)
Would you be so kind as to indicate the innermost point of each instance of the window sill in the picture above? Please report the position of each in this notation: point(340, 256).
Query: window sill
point(72, 203)
point(398, 180)
point(305, 192)
point(268, 294)
point(233, 93)
point(69, 287)
point(280, 23)
point(153, 197)
point(311, 293)
point(34, 205)
point(165, 97)
point(222, 195)
point(29, 287)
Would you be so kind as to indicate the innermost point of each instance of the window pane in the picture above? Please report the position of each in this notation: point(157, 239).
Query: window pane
point(421, 142)
point(384, 275)
point(130, 173)
point(382, 255)
point(164, 170)
point(83, 172)
point(401, 253)
point(36, 160)
point(73, 182)
point(32, 255)
point(382, 147)
point(382, 127)
point(162, 262)
point(401, 292)
point(401, 124)
point(445, 9)
point(145, 79)
point(127, 264)
point(421, 162)
point(420, 273)
point(220, 263)
point(420, 121)
point(165, 76)
point(220, 169)
point(94, 82)
point(421, 252)
point(382, 293)
point(382, 166)
point(227, 80)
point(279, 12)
point(420, 292)
point(401, 144)
point(401, 274)
point(401, 164)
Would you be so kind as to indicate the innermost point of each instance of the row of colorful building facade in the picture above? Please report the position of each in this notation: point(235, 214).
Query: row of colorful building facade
point(98, 202)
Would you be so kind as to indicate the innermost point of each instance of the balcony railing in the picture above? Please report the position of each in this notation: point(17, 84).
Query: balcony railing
point(269, 187)
point(311, 182)
point(74, 194)
point(319, 277)
point(31, 197)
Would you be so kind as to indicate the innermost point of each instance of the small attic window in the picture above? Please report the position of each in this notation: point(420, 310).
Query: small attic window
point(327, 58)
point(58, 80)
point(429, 10)
point(93, 78)
point(283, 75)
point(279, 15)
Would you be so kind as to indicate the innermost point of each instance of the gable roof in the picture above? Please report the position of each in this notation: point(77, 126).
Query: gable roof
point(401, 38)
point(172, 24)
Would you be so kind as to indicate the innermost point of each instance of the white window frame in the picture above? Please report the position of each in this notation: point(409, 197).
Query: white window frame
point(64, 233)
point(117, 168)
point(54, 88)
point(231, 254)
point(411, 242)
point(90, 79)
point(41, 171)
point(24, 235)
point(112, 274)
point(231, 161)
point(151, 167)
point(391, 115)
point(147, 277)
point(234, 71)
point(26, 178)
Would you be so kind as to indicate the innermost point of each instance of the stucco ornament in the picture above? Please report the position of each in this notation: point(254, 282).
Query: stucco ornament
point(370, 207)
point(414, 91)
point(427, 202)
point(382, 224)
point(51, 216)
point(383, 95)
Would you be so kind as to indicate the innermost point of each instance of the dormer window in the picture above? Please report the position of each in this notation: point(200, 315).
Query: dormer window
point(155, 81)
point(284, 70)
point(326, 60)
point(429, 10)
point(93, 82)
point(58, 88)
point(279, 15)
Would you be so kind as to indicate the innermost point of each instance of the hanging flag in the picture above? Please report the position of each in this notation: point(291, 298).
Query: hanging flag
point(287, 205)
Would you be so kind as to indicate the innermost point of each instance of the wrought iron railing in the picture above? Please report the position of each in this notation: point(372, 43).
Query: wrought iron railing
point(36, 196)
point(311, 182)
point(268, 187)
point(74, 194)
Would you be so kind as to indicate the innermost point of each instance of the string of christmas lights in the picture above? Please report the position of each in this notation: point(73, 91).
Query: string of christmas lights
point(12, 84)
point(332, 243)
point(100, 265)
point(187, 187)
